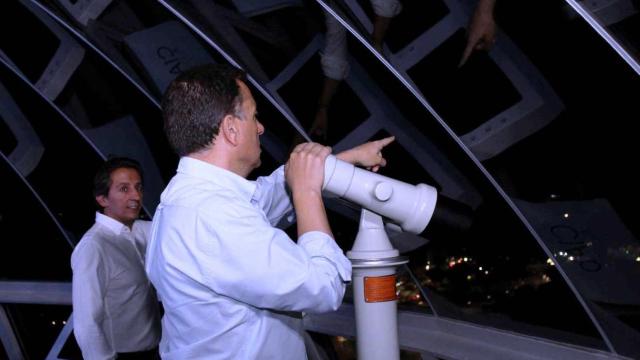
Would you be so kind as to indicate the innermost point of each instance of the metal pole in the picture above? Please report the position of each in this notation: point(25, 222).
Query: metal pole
point(374, 263)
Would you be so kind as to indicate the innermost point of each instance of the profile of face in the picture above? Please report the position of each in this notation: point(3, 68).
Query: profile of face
point(124, 200)
point(250, 129)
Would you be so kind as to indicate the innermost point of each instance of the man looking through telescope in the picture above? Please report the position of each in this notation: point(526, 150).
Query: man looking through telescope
point(232, 284)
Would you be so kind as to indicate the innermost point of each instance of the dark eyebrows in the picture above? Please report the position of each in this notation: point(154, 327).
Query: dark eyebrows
point(128, 183)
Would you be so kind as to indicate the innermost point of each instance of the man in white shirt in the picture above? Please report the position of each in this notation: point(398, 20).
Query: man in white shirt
point(115, 309)
point(232, 284)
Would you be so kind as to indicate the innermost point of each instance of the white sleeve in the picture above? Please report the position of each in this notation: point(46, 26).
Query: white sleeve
point(273, 198)
point(333, 57)
point(88, 293)
point(238, 254)
point(386, 8)
point(142, 237)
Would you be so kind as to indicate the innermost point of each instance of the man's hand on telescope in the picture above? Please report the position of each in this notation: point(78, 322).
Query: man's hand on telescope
point(368, 155)
point(304, 173)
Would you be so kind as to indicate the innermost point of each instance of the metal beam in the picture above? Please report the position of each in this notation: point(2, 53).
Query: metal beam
point(8, 338)
point(61, 340)
point(35, 292)
point(452, 339)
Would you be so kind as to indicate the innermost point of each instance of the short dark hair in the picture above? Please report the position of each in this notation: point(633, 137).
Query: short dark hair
point(102, 180)
point(195, 103)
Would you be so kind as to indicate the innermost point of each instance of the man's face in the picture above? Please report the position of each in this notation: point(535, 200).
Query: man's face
point(124, 200)
point(250, 129)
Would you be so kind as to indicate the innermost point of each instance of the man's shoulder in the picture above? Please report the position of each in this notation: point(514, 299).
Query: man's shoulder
point(183, 189)
point(214, 209)
point(93, 235)
point(200, 196)
point(142, 224)
point(91, 244)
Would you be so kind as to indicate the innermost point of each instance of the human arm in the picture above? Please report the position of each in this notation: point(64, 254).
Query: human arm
point(88, 294)
point(335, 68)
point(481, 31)
point(234, 252)
point(367, 155)
point(272, 196)
point(308, 276)
point(320, 123)
point(142, 234)
point(305, 173)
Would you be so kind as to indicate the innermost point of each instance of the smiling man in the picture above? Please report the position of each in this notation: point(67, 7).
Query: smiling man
point(115, 309)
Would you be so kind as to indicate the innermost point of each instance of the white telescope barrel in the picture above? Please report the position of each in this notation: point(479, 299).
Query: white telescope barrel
point(410, 206)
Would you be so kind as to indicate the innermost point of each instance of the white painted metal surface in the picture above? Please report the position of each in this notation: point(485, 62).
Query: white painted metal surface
point(410, 206)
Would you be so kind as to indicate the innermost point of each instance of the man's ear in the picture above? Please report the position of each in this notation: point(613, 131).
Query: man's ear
point(229, 129)
point(102, 201)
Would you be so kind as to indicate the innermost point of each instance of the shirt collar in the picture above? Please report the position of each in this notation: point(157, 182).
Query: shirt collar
point(110, 223)
point(225, 178)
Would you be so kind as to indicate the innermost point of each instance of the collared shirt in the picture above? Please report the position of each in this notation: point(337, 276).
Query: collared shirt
point(115, 308)
point(228, 279)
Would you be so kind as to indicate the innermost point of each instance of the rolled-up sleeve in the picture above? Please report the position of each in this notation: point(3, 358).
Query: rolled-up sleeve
point(333, 57)
point(386, 8)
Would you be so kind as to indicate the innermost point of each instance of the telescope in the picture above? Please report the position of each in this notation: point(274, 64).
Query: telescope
point(412, 207)
point(374, 260)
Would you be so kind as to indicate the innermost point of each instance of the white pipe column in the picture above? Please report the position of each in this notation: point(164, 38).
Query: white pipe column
point(373, 258)
point(374, 263)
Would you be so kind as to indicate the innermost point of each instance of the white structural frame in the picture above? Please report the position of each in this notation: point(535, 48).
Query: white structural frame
point(28, 151)
point(64, 61)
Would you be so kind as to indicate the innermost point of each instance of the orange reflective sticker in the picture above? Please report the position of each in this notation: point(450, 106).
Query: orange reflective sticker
point(381, 288)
